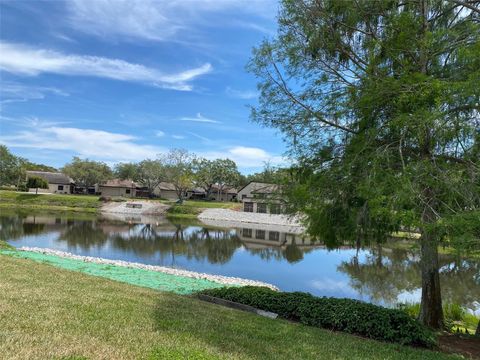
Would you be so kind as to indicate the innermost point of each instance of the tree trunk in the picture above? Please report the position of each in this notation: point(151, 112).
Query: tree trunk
point(431, 312)
point(477, 333)
point(36, 191)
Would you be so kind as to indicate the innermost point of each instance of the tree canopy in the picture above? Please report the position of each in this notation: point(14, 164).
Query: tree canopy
point(36, 182)
point(178, 170)
point(87, 172)
point(12, 170)
point(379, 101)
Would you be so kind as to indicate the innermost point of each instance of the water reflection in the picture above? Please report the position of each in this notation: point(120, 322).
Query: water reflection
point(279, 255)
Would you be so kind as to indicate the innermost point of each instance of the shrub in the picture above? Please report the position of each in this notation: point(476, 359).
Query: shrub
point(351, 316)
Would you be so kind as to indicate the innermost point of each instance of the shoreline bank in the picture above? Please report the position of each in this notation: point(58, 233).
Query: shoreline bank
point(151, 276)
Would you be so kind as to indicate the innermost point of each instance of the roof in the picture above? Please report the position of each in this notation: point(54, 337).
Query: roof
point(52, 177)
point(267, 189)
point(262, 188)
point(166, 186)
point(226, 189)
point(120, 183)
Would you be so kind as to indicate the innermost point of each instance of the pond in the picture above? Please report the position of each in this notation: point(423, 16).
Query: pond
point(383, 274)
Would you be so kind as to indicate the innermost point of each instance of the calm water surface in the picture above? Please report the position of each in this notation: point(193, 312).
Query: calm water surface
point(290, 261)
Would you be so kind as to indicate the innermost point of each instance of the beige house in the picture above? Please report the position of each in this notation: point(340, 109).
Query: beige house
point(260, 197)
point(58, 183)
point(166, 190)
point(118, 188)
point(225, 194)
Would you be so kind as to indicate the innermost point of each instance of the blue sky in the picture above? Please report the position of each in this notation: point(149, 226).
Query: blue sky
point(116, 80)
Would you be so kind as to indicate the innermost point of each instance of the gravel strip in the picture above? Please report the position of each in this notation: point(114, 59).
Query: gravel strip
point(247, 217)
point(225, 280)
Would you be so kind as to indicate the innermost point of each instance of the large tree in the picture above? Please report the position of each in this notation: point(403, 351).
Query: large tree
point(204, 175)
point(87, 172)
point(126, 171)
point(380, 103)
point(178, 167)
point(149, 173)
point(12, 168)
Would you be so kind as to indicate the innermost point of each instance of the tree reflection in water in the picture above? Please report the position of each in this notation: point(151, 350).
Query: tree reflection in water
point(381, 274)
point(385, 274)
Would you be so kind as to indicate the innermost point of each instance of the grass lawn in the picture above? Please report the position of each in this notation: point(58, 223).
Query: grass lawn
point(85, 203)
point(47, 312)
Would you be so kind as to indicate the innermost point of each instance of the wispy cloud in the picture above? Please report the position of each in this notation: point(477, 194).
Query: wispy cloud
point(158, 20)
point(159, 133)
point(14, 92)
point(95, 144)
point(29, 61)
point(241, 94)
point(178, 137)
point(246, 157)
point(203, 138)
point(199, 118)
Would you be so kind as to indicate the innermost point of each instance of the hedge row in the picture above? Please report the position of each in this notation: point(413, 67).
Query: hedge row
point(351, 316)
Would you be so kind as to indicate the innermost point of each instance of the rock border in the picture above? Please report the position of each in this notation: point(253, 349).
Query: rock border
point(220, 279)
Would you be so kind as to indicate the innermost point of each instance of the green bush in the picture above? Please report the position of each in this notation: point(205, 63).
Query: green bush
point(351, 316)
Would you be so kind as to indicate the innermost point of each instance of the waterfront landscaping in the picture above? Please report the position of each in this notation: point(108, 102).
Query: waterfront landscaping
point(54, 313)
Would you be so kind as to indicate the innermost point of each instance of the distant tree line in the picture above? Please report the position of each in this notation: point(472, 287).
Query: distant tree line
point(182, 168)
point(13, 169)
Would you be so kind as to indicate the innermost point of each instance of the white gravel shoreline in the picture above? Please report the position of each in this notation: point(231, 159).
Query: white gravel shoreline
point(225, 280)
point(247, 217)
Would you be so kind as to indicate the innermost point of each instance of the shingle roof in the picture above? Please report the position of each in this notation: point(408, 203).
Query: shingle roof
point(262, 188)
point(120, 183)
point(52, 177)
point(267, 189)
point(166, 186)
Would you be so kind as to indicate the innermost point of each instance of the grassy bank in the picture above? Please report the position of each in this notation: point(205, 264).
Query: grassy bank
point(57, 202)
point(53, 313)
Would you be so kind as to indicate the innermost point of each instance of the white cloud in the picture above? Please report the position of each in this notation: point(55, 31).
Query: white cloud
point(157, 20)
point(26, 60)
point(246, 157)
point(200, 118)
point(94, 144)
point(159, 133)
point(203, 138)
point(241, 94)
point(14, 92)
point(330, 285)
point(178, 137)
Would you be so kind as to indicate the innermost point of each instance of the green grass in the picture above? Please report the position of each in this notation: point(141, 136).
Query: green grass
point(5, 246)
point(85, 203)
point(53, 313)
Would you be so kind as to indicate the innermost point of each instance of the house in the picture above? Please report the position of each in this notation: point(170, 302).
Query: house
point(225, 194)
point(117, 187)
point(166, 190)
point(58, 183)
point(196, 194)
point(261, 197)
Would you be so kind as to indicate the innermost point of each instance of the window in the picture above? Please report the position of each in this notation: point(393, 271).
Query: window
point(247, 233)
point(273, 236)
point(262, 208)
point(60, 187)
point(248, 207)
point(127, 191)
point(275, 209)
point(260, 234)
point(244, 196)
